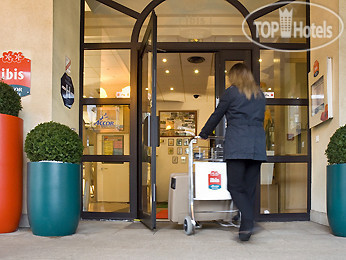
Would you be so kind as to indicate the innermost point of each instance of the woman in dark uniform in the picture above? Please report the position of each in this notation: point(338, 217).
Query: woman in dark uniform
point(243, 104)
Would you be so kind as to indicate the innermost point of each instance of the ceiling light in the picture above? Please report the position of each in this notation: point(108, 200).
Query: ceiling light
point(260, 60)
point(167, 71)
point(146, 89)
point(195, 40)
point(225, 71)
point(269, 88)
point(84, 96)
point(164, 60)
point(103, 93)
point(196, 71)
point(171, 88)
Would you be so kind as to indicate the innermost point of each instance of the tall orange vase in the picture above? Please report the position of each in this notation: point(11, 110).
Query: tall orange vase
point(11, 172)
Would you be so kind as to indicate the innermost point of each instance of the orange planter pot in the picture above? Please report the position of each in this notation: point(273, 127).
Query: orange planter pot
point(11, 172)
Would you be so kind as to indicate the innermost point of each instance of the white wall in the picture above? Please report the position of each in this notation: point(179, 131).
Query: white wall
point(32, 27)
point(320, 134)
point(66, 42)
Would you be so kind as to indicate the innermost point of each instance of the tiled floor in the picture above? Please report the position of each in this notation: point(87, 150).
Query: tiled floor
point(131, 240)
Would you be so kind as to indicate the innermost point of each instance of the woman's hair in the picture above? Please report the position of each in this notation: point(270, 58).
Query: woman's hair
point(241, 77)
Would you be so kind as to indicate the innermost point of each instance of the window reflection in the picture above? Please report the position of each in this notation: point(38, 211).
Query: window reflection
point(283, 75)
point(107, 74)
point(106, 187)
point(104, 24)
point(283, 188)
point(188, 21)
point(286, 129)
point(106, 130)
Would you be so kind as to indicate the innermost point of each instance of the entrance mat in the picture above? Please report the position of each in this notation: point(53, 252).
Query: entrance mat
point(163, 214)
point(162, 205)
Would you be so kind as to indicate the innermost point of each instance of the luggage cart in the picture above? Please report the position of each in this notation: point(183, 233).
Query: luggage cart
point(208, 183)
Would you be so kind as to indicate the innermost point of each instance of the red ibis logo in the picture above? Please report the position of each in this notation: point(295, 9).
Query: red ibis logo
point(15, 70)
point(214, 180)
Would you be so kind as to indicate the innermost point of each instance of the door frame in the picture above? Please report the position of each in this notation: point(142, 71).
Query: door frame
point(149, 219)
point(133, 46)
point(254, 51)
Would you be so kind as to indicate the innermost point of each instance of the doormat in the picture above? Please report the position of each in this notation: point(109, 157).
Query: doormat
point(163, 214)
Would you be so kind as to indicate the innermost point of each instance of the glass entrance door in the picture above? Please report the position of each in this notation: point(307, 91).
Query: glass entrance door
point(149, 125)
point(224, 61)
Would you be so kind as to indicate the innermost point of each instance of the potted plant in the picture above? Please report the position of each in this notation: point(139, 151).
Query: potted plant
point(54, 179)
point(11, 159)
point(336, 182)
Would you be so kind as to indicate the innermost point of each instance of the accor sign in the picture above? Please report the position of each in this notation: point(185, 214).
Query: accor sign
point(15, 70)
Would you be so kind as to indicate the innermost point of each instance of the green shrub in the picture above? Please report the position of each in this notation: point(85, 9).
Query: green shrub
point(52, 141)
point(336, 150)
point(10, 102)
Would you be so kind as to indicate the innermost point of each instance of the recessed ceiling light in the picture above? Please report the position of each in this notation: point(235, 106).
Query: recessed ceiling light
point(171, 88)
point(164, 60)
point(260, 60)
point(196, 71)
point(225, 71)
point(195, 59)
point(146, 89)
point(167, 71)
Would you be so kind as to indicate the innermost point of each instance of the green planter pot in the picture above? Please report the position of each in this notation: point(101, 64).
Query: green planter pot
point(54, 198)
point(336, 198)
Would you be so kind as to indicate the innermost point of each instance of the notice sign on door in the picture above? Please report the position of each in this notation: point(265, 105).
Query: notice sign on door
point(15, 71)
point(211, 181)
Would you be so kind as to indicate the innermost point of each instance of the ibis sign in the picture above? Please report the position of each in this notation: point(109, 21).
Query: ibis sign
point(15, 70)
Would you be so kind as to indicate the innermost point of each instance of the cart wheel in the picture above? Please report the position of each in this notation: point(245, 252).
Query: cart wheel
point(189, 228)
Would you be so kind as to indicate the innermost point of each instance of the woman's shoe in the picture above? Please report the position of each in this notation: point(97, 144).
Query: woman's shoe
point(245, 235)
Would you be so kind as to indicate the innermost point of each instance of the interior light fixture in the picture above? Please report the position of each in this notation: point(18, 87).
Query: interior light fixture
point(196, 71)
point(269, 88)
point(84, 96)
point(195, 59)
point(164, 60)
point(172, 88)
point(167, 71)
point(146, 88)
point(260, 60)
point(103, 93)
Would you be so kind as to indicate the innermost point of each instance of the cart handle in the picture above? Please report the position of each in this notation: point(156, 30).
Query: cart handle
point(209, 137)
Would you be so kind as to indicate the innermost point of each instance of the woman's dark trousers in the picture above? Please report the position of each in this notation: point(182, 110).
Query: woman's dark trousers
point(242, 178)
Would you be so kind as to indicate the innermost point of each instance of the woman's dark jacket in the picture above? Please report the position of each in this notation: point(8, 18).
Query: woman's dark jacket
point(245, 136)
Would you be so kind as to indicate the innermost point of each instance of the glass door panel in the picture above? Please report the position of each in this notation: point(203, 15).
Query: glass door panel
point(149, 125)
point(284, 188)
point(223, 63)
point(106, 187)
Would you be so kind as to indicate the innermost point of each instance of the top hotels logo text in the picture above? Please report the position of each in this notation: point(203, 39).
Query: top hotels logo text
point(287, 27)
